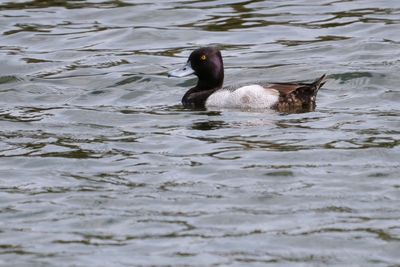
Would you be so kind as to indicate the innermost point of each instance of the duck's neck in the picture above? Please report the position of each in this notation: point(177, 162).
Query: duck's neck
point(196, 97)
point(207, 84)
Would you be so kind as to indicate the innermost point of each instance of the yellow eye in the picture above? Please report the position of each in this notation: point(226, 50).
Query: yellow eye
point(203, 57)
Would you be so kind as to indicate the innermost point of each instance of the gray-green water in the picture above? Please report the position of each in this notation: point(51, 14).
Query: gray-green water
point(100, 166)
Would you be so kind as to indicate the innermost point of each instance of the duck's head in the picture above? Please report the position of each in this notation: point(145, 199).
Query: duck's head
point(206, 63)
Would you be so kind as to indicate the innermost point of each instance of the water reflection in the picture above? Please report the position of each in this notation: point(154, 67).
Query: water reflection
point(208, 125)
point(8, 79)
point(22, 5)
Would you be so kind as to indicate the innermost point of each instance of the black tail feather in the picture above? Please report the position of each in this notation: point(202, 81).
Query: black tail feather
point(318, 83)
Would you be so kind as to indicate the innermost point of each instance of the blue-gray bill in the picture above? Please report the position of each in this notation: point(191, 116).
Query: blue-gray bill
point(182, 72)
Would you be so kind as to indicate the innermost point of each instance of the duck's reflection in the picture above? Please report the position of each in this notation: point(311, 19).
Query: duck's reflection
point(209, 125)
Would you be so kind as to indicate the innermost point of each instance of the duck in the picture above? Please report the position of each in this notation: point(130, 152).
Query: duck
point(207, 64)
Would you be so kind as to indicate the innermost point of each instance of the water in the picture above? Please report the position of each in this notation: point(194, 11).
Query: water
point(101, 166)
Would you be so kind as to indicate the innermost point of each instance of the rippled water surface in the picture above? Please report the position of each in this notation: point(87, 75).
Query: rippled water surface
point(101, 166)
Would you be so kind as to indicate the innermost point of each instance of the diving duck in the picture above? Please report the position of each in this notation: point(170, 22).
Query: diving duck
point(206, 63)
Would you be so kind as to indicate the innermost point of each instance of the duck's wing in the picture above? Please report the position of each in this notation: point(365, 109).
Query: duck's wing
point(297, 97)
point(289, 88)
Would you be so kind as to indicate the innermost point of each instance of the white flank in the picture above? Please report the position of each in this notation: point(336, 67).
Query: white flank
point(247, 97)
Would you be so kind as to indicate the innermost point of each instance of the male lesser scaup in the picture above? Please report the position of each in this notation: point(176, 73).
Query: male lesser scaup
point(206, 63)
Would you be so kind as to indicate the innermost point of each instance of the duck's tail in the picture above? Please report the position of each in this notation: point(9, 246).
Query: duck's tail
point(318, 83)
